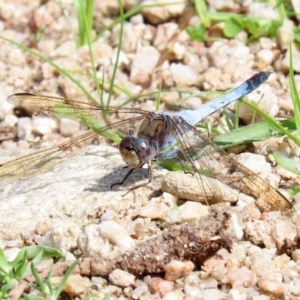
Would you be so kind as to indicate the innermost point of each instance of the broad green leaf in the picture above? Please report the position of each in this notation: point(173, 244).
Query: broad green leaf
point(232, 28)
point(289, 164)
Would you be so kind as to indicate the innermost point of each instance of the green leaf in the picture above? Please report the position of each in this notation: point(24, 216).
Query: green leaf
point(297, 34)
point(256, 132)
point(289, 164)
point(197, 33)
point(232, 28)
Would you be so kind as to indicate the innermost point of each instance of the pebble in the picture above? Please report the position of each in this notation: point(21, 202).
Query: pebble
point(62, 237)
point(25, 125)
point(42, 125)
point(266, 56)
point(159, 285)
point(241, 277)
point(265, 99)
point(68, 127)
point(139, 290)
point(177, 269)
point(188, 211)
point(143, 65)
point(76, 285)
point(159, 14)
point(270, 286)
point(107, 239)
point(121, 278)
point(285, 234)
point(183, 75)
point(284, 34)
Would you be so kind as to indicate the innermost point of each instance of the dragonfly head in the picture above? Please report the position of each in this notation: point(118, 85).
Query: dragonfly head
point(134, 151)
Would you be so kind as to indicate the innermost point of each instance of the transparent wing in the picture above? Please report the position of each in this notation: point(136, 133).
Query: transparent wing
point(204, 157)
point(91, 115)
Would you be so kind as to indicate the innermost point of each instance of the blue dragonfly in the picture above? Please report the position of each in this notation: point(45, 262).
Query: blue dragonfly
point(148, 137)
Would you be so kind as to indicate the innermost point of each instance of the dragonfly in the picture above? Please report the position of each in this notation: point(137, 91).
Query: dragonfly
point(149, 137)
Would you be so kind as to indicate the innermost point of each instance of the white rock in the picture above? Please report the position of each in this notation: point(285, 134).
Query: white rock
point(189, 211)
point(143, 65)
point(263, 11)
point(266, 56)
point(193, 292)
point(211, 294)
point(43, 125)
point(62, 237)
point(76, 285)
point(107, 239)
point(67, 127)
point(64, 50)
point(183, 75)
point(285, 64)
point(139, 290)
point(225, 53)
point(24, 128)
point(9, 145)
point(159, 14)
point(284, 34)
point(265, 99)
point(121, 278)
point(284, 231)
point(9, 120)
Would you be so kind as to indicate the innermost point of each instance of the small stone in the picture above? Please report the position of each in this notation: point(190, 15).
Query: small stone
point(183, 75)
point(285, 234)
point(296, 255)
point(241, 277)
point(24, 128)
point(76, 285)
point(121, 278)
point(42, 227)
point(160, 14)
point(107, 239)
point(63, 237)
point(266, 56)
point(211, 294)
point(189, 211)
point(143, 65)
point(9, 121)
point(159, 285)
point(64, 50)
point(284, 34)
point(67, 127)
point(139, 290)
point(271, 286)
point(265, 99)
point(177, 269)
point(42, 125)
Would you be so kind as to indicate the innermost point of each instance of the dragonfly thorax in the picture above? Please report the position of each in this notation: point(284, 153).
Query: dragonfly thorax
point(135, 151)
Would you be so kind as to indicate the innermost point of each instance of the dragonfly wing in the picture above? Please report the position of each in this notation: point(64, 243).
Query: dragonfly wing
point(204, 157)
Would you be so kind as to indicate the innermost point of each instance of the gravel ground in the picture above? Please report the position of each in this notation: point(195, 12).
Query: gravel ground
point(229, 252)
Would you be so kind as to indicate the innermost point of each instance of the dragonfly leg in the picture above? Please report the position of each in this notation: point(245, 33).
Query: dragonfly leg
point(123, 180)
point(150, 176)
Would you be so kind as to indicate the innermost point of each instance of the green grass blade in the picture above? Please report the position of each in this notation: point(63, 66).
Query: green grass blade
point(65, 278)
point(202, 12)
point(294, 93)
point(273, 122)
